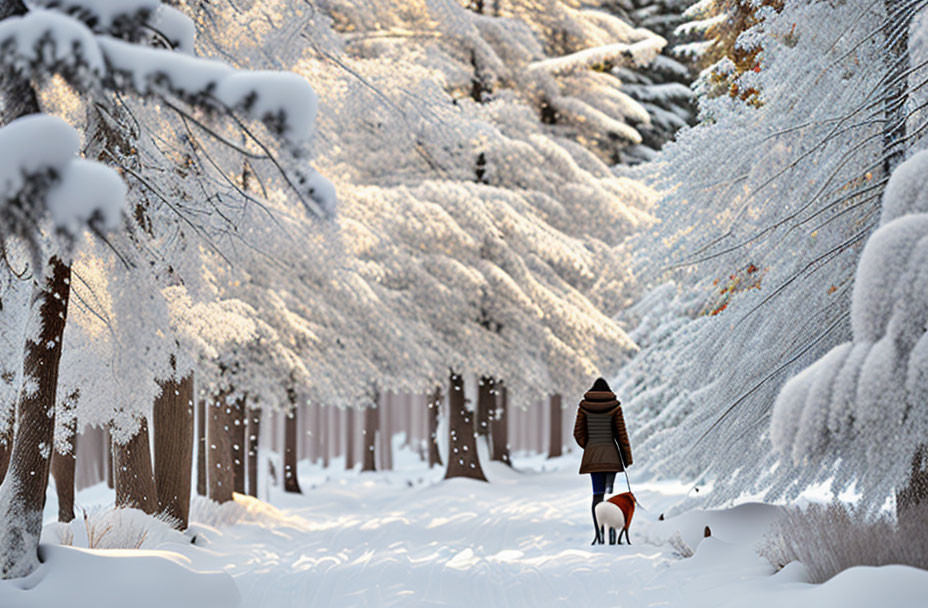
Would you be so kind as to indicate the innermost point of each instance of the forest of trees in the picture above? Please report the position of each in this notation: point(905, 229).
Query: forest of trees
point(240, 235)
point(194, 280)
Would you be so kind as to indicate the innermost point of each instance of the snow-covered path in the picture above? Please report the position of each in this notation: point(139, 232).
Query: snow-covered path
point(395, 540)
point(408, 538)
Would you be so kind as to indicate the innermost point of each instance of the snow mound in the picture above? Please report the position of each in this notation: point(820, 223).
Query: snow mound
point(896, 586)
point(117, 578)
point(744, 524)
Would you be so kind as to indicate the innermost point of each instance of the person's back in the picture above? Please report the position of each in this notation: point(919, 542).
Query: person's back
point(598, 429)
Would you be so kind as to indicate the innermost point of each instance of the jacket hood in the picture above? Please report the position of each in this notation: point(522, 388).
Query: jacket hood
point(598, 402)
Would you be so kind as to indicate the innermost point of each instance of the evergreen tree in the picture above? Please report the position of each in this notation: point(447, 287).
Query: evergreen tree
point(662, 87)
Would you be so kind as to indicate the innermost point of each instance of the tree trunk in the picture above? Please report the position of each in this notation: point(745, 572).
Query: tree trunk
point(238, 445)
point(539, 428)
point(291, 483)
point(915, 494)
point(63, 462)
point(337, 416)
point(88, 464)
point(63, 472)
point(22, 494)
point(486, 403)
point(349, 438)
point(311, 435)
point(463, 460)
point(386, 432)
point(434, 410)
point(899, 18)
point(254, 432)
point(219, 455)
point(201, 447)
point(499, 426)
point(369, 458)
point(135, 482)
point(173, 426)
point(324, 439)
point(556, 437)
point(108, 458)
point(6, 442)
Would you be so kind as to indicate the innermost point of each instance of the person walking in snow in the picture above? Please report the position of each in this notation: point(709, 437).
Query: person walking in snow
point(600, 431)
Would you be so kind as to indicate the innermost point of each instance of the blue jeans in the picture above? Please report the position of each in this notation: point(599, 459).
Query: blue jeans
point(602, 482)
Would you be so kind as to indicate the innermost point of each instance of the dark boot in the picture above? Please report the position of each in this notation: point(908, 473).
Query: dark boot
point(598, 540)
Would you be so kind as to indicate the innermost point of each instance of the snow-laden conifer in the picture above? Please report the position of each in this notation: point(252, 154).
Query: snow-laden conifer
point(765, 212)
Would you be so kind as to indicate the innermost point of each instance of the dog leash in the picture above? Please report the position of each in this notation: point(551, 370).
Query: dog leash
point(627, 482)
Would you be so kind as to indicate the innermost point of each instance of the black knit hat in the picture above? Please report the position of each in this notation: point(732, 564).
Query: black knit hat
point(601, 385)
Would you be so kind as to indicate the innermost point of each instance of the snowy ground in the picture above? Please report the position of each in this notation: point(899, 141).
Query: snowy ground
point(407, 538)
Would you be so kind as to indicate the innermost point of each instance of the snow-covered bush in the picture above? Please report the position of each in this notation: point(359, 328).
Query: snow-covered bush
point(828, 539)
point(679, 545)
point(211, 513)
point(114, 528)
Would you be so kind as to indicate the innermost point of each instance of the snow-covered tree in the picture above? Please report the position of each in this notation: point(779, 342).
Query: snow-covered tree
point(764, 215)
point(860, 410)
point(103, 49)
point(483, 227)
point(724, 44)
point(663, 86)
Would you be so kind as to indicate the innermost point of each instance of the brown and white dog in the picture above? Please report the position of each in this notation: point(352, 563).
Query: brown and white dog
point(616, 514)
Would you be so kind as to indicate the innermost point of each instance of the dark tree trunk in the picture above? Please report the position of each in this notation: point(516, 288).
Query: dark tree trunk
point(238, 445)
point(291, 483)
point(108, 458)
point(6, 443)
point(201, 448)
point(349, 438)
point(63, 472)
point(556, 439)
point(135, 482)
point(463, 460)
point(486, 403)
point(915, 494)
point(899, 18)
point(219, 453)
point(22, 494)
point(254, 432)
point(63, 464)
point(434, 410)
point(371, 421)
point(173, 425)
point(499, 426)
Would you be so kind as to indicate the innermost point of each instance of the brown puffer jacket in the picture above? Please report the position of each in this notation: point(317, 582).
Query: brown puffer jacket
point(598, 427)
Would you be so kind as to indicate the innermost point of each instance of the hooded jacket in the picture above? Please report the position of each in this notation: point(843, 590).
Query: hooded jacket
point(598, 427)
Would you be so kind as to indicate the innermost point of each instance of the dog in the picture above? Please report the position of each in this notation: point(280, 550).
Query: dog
point(616, 514)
